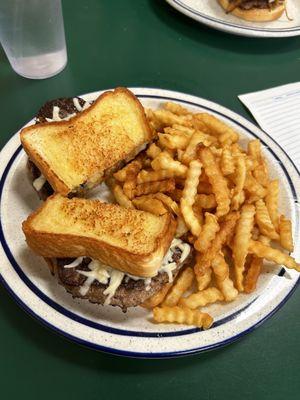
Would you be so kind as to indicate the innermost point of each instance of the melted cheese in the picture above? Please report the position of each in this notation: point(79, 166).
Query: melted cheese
point(107, 275)
point(39, 182)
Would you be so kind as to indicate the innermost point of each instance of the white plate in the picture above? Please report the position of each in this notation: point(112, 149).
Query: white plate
point(106, 328)
point(210, 13)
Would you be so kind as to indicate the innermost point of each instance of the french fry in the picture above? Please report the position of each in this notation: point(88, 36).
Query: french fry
point(253, 187)
point(153, 176)
point(227, 161)
point(217, 181)
point(254, 150)
point(208, 233)
point(188, 197)
point(254, 269)
point(167, 118)
point(155, 124)
point(252, 274)
point(191, 150)
point(181, 229)
point(185, 132)
point(260, 173)
point(166, 185)
point(271, 254)
point(168, 202)
point(241, 242)
point(128, 171)
point(263, 220)
point(201, 299)
point(151, 205)
point(225, 133)
point(206, 201)
point(173, 142)
point(285, 231)
point(165, 161)
point(240, 178)
point(153, 151)
point(158, 297)
point(129, 187)
point(204, 280)
point(182, 316)
point(272, 202)
point(175, 108)
point(225, 232)
point(182, 284)
point(223, 281)
point(121, 198)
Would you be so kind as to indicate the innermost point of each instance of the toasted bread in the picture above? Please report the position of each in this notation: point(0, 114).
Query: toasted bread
point(78, 153)
point(129, 240)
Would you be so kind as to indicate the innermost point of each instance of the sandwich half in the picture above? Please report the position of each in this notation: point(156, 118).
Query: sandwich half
point(255, 10)
point(79, 152)
point(106, 253)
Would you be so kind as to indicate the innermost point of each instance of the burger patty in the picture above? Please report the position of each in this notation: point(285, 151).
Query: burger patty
point(130, 293)
point(249, 4)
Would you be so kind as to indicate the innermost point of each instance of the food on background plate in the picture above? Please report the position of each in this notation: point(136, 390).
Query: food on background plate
point(106, 253)
point(255, 10)
point(216, 195)
point(78, 153)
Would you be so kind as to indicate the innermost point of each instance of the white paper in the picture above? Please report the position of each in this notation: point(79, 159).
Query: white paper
point(277, 111)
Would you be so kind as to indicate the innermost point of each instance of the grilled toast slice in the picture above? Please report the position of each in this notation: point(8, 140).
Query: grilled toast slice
point(129, 240)
point(77, 154)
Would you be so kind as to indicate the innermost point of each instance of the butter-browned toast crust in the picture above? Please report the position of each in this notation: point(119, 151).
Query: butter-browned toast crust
point(132, 241)
point(76, 153)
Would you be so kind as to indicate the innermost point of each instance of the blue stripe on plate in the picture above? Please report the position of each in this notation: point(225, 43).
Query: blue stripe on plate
point(90, 323)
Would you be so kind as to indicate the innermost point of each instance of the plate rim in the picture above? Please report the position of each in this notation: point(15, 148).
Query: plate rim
point(235, 29)
point(163, 93)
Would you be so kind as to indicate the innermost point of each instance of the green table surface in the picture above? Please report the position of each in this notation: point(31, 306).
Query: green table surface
point(147, 43)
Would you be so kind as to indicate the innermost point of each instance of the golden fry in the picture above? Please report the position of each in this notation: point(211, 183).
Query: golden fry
point(206, 201)
point(272, 202)
point(153, 176)
point(204, 280)
point(240, 178)
point(129, 187)
point(166, 185)
point(173, 142)
point(158, 297)
point(208, 233)
point(241, 242)
point(165, 161)
point(225, 133)
point(188, 197)
point(253, 187)
point(271, 254)
point(263, 220)
point(201, 299)
point(153, 151)
point(181, 227)
point(182, 284)
point(175, 108)
point(167, 201)
point(121, 198)
point(167, 118)
point(225, 232)
point(150, 205)
point(191, 150)
point(252, 274)
point(285, 231)
point(254, 149)
point(217, 181)
point(260, 173)
point(224, 283)
point(227, 162)
point(182, 316)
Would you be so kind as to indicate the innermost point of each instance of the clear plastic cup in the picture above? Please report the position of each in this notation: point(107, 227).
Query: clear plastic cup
point(33, 38)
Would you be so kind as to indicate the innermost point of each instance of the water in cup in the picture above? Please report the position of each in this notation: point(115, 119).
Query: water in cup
point(32, 35)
